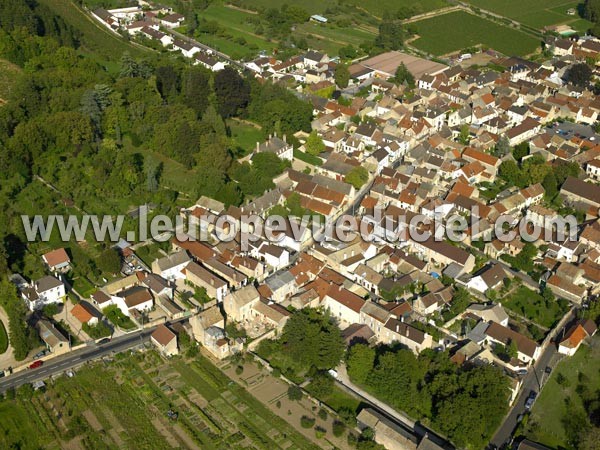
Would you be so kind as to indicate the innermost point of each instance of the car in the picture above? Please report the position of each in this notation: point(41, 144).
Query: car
point(533, 395)
point(529, 403)
point(521, 372)
point(39, 355)
point(36, 364)
point(548, 369)
point(103, 341)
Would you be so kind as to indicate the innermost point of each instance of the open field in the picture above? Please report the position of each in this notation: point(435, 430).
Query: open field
point(458, 30)
point(558, 402)
point(534, 13)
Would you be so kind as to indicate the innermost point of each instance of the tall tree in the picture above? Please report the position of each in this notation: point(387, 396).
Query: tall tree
point(232, 92)
point(342, 75)
point(196, 89)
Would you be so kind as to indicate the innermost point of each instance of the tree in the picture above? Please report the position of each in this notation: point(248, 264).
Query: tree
point(196, 89)
point(357, 176)
point(521, 150)
point(321, 385)
point(314, 144)
point(232, 92)
point(591, 10)
point(391, 35)
point(294, 392)
point(109, 261)
point(360, 361)
point(403, 75)
point(342, 75)
point(502, 148)
point(579, 75)
point(550, 185)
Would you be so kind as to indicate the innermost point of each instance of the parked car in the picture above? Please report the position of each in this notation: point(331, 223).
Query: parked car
point(529, 403)
point(103, 341)
point(521, 372)
point(40, 354)
point(36, 364)
point(548, 369)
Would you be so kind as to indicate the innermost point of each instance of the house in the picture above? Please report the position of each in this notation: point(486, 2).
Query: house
point(165, 341)
point(279, 146)
point(54, 340)
point(527, 349)
point(565, 288)
point(172, 20)
point(580, 194)
point(238, 304)
point(488, 313)
point(159, 287)
point(215, 286)
point(270, 314)
point(188, 50)
point(313, 58)
point(57, 260)
point(84, 313)
point(203, 321)
point(407, 335)
point(137, 298)
point(344, 305)
point(575, 335)
point(490, 277)
point(45, 291)
point(209, 62)
point(170, 267)
point(522, 132)
point(428, 304)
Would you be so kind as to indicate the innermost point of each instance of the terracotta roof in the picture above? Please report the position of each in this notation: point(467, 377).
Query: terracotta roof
point(163, 335)
point(574, 336)
point(82, 313)
point(346, 298)
point(56, 257)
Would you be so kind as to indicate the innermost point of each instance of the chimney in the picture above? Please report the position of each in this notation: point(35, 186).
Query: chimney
point(285, 138)
point(212, 281)
point(257, 146)
point(397, 328)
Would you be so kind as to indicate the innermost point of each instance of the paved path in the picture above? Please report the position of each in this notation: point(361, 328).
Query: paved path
point(7, 358)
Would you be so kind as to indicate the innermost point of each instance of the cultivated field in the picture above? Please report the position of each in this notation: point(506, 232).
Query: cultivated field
point(457, 30)
point(535, 13)
point(124, 404)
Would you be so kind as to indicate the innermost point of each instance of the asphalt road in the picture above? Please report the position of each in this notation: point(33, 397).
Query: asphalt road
point(72, 359)
point(533, 381)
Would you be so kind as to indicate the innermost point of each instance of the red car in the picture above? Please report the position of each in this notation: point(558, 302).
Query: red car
point(36, 364)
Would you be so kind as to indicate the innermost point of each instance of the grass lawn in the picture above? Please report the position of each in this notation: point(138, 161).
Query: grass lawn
point(20, 427)
point(531, 305)
point(3, 338)
point(244, 136)
point(83, 286)
point(441, 35)
point(308, 158)
point(339, 399)
point(546, 422)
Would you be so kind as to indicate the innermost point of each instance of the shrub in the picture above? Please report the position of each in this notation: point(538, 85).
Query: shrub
point(320, 432)
point(239, 370)
point(294, 393)
point(307, 422)
point(323, 414)
point(338, 428)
